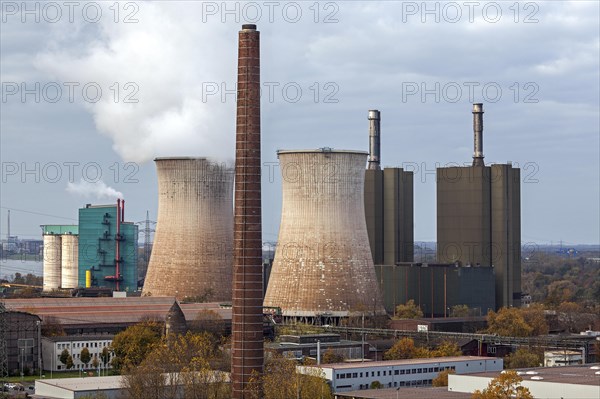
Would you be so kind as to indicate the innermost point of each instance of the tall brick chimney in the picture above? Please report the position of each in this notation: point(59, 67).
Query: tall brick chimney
point(247, 323)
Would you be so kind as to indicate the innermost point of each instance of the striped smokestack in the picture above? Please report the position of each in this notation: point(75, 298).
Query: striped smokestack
point(478, 134)
point(374, 140)
point(247, 323)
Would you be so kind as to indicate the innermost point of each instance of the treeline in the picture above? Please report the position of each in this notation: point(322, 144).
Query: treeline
point(552, 279)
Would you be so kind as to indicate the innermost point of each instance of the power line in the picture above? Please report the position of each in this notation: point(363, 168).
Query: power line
point(37, 213)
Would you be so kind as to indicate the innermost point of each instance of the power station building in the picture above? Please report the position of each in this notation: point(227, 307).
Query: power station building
point(479, 218)
point(107, 248)
point(192, 254)
point(323, 269)
point(388, 204)
point(437, 288)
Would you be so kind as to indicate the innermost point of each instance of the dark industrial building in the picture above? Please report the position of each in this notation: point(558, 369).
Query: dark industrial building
point(388, 204)
point(436, 288)
point(107, 248)
point(479, 218)
point(21, 336)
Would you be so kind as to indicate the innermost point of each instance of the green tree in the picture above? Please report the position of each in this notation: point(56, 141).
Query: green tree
point(442, 379)
point(523, 358)
point(376, 385)
point(408, 311)
point(130, 347)
point(506, 385)
point(64, 355)
point(85, 356)
point(508, 322)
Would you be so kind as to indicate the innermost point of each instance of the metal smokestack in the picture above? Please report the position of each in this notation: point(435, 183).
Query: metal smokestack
point(478, 134)
point(247, 316)
point(374, 140)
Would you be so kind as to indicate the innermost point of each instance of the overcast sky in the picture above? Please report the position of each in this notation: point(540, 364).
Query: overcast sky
point(167, 70)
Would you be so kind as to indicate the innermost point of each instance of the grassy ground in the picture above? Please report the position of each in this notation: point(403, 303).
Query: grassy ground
point(46, 375)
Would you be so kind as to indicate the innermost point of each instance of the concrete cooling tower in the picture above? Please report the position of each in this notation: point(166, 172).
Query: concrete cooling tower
point(323, 268)
point(192, 253)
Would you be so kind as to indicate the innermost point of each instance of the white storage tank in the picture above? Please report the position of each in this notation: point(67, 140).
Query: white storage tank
point(69, 255)
point(52, 262)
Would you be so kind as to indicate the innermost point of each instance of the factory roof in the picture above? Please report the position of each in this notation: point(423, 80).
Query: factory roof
point(84, 384)
point(70, 311)
point(407, 362)
point(405, 393)
point(581, 374)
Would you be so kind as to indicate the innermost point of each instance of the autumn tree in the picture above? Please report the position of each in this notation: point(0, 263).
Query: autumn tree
point(105, 356)
point(281, 380)
point(571, 317)
point(508, 322)
point(506, 385)
point(459, 311)
point(130, 347)
point(51, 327)
point(184, 362)
point(329, 356)
point(95, 362)
point(442, 379)
point(446, 349)
point(69, 363)
point(64, 355)
point(535, 317)
point(85, 356)
point(405, 348)
point(408, 311)
point(523, 358)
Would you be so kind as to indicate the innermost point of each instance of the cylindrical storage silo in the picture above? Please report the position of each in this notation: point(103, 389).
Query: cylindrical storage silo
point(52, 262)
point(192, 253)
point(323, 263)
point(70, 261)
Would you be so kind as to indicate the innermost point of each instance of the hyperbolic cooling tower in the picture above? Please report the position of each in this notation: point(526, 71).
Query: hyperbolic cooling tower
point(70, 256)
point(192, 253)
point(323, 264)
point(52, 262)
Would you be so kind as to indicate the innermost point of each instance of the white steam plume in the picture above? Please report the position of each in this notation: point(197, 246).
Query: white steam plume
point(164, 61)
point(96, 190)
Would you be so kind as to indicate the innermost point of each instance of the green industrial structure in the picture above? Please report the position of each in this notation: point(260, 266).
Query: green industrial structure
point(60, 229)
point(107, 248)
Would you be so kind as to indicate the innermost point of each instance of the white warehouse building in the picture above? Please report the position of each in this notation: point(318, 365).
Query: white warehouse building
point(399, 373)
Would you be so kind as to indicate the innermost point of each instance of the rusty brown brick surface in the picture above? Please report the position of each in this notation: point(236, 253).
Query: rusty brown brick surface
point(247, 323)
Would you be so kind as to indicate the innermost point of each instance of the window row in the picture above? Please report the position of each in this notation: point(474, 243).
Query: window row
point(396, 372)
